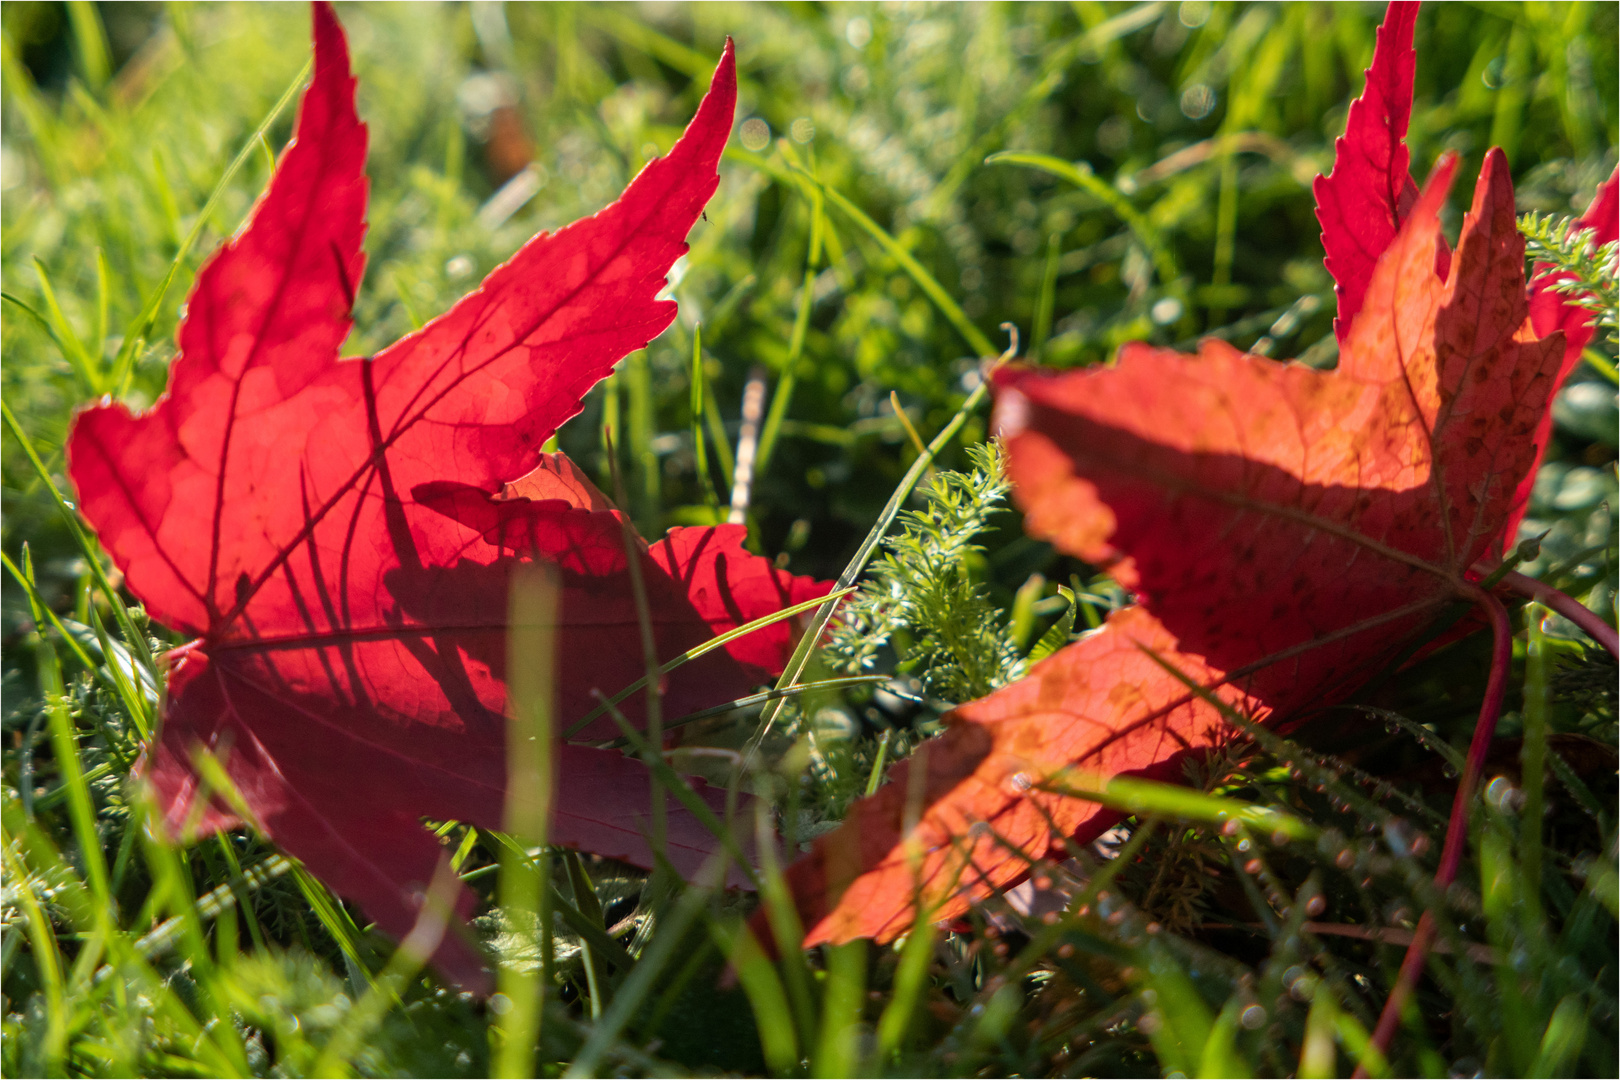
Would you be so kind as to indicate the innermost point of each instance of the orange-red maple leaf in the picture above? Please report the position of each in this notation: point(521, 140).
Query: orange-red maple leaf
point(340, 533)
point(1286, 530)
point(1369, 192)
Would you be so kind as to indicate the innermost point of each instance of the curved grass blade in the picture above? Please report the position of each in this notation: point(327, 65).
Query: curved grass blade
point(707, 647)
point(139, 327)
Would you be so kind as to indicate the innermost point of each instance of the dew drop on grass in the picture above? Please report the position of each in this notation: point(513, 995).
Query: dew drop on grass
point(1252, 866)
point(1315, 905)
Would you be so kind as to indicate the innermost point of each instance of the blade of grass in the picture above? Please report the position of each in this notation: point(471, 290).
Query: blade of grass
point(757, 974)
point(675, 784)
point(163, 937)
point(172, 890)
point(700, 446)
point(43, 613)
point(909, 979)
point(49, 326)
point(140, 327)
point(332, 916)
point(65, 747)
point(924, 280)
point(783, 918)
point(652, 749)
point(92, 557)
point(713, 643)
point(876, 776)
point(1080, 174)
point(90, 37)
point(1561, 1044)
point(73, 349)
point(582, 924)
point(638, 432)
point(838, 1051)
point(531, 682)
point(140, 701)
point(627, 1002)
point(579, 882)
point(103, 303)
point(1044, 307)
point(47, 962)
point(801, 326)
point(760, 698)
point(1169, 800)
point(1533, 758)
point(1602, 364)
point(412, 954)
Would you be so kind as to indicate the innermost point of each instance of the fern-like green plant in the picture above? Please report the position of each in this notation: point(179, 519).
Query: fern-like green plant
point(960, 643)
point(1586, 269)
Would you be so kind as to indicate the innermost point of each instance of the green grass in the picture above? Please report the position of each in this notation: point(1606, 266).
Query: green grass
point(1152, 183)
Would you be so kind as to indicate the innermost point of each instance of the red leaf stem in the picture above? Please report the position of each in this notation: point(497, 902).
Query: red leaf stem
point(1570, 608)
point(1490, 710)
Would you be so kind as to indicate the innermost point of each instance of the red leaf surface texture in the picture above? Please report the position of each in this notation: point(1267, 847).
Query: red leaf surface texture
point(1362, 202)
point(339, 533)
point(1286, 531)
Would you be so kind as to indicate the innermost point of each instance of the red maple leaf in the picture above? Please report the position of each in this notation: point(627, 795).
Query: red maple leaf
point(339, 534)
point(1369, 192)
point(1287, 532)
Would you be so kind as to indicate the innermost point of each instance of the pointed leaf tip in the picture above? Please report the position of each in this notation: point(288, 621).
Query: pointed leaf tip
point(1362, 202)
